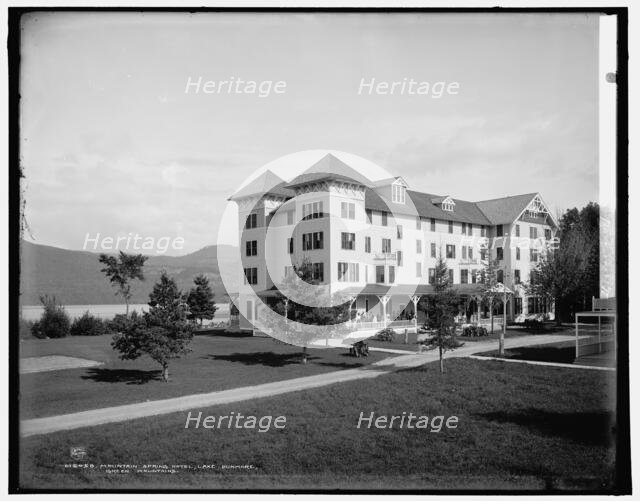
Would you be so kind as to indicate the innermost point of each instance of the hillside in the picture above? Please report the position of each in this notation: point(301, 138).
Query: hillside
point(74, 277)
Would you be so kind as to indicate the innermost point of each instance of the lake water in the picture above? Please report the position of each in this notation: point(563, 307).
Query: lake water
point(108, 311)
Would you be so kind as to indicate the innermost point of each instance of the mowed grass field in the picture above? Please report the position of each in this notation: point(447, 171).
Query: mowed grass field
point(215, 363)
point(520, 427)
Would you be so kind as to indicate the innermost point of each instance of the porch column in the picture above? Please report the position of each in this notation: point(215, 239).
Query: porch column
point(351, 299)
point(415, 299)
point(383, 301)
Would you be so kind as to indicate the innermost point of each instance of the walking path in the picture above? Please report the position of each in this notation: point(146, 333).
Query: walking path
point(53, 363)
point(121, 413)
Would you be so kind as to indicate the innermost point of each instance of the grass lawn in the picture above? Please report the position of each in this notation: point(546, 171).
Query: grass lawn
point(520, 427)
point(216, 363)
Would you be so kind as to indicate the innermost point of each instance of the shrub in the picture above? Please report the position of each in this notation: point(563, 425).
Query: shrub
point(119, 322)
point(474, 331)
point(54, 322)
point(88, 325)
point(385, 335)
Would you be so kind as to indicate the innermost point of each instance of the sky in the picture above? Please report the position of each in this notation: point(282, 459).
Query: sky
point(112, 144)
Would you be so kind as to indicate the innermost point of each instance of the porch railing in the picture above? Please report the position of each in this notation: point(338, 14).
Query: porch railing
point(365, 326)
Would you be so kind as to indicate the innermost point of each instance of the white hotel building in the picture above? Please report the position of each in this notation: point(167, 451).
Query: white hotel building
point(379, 240)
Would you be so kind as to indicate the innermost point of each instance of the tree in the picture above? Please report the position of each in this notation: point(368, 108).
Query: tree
point(201, 300)
point(163, 333)
point(121, 271)
point(568, 274)
point(445, 308)
point(54, 322)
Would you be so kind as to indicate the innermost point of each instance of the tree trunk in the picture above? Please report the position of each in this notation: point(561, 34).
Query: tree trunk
point(491, 314)
point(126, 302)
point(304, 354)
point(165, 373)
point(441, 361)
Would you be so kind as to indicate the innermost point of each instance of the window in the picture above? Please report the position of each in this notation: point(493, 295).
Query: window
point(483, 231)
point(517, 230)
point(533, 232)
point(470, 229)
point(451, 251)
point(349, 272)
point(251, 247)
point(483, 254)
point(433, 224)
point(290, 245)
point(518, 253)
point(384, 218)
point(398, 194)
point(418, 270)
point(500, 276)
point(399, 228)
point(499, 230)
point(251, 276)
point(367, 244)
point(418, 246)
point(447, 205)
point(252, 221)
point(474, 277)
point(464, 228)
point(392, 274)
point(516, 276)
point(533, 255)
point(464, 276)
point(499, 253)
point(386, 245)
point(517, 305)
point(318, 272)
point(379, 274)
point(433, 249)
point(418, 223)
point(399, 257)
point(369, 214)
point(313, 210)
point(288, 271)
point(432, 275)
point(348, 210)
point(348, 241)
point(547, 234)
point(450, 226)
point(290, 215)
point(313, 241)
point(464, 252)
point(450, 276)
point(470, 252)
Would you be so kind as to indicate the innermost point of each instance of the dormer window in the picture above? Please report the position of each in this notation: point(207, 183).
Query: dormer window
point(398, 193)
point(448, 204)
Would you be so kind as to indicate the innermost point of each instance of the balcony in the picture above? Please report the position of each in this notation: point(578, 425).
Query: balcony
point(385, 256)
point(468, 261)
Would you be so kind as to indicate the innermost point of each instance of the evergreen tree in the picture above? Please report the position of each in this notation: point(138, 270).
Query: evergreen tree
point(445, 308)
point(201, 300)
point(163, 333)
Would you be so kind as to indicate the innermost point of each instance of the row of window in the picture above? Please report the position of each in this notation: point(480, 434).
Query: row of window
point(314, 210)
point(350, 272)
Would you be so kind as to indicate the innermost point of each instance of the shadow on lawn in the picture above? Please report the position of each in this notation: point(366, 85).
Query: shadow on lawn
point(591, 428)
point(127, 376)
point(271, 359)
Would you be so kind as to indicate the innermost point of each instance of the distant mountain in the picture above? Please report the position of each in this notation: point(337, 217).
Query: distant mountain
point(74, 277)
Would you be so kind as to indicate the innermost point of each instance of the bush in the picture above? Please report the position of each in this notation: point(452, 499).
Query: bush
point(474, 331)
point(119, 322)
point(385, 335)
point(88, 325)
point(54, 323)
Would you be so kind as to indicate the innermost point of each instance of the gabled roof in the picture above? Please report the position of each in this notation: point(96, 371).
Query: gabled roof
point(390, 180)
point(267, 182)
point(329, 168)
point(505, 210)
